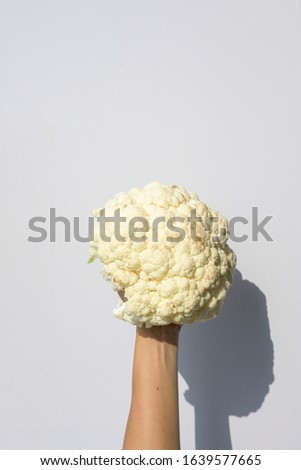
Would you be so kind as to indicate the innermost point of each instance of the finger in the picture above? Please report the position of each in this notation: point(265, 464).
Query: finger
point(122, 296)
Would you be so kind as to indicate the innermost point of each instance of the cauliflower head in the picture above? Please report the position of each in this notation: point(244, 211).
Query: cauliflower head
point(168, 253)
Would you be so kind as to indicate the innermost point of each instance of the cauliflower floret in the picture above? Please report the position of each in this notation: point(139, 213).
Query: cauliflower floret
point(175, 272)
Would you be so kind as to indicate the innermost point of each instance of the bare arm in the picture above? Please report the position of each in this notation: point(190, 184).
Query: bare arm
point(153, 421)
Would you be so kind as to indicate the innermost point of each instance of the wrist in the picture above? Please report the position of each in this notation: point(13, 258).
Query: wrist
point(166, 334)
point(156, 349)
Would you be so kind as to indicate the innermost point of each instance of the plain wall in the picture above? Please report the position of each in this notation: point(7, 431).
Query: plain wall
point(98, 97)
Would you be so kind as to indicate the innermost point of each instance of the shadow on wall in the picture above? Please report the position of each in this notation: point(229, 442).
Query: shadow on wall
point(227, 363)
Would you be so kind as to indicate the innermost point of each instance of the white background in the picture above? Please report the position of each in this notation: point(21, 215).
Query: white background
point(101, 96)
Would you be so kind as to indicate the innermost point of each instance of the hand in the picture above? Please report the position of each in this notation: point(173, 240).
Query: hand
point(168, 333)
point(122, 296)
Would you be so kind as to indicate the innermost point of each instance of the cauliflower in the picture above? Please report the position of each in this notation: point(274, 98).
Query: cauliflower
point(167, 252)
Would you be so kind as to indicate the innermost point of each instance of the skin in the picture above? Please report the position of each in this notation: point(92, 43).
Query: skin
point(153, 421)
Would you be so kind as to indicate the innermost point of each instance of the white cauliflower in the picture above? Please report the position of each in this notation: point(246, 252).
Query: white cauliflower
point(171, 271)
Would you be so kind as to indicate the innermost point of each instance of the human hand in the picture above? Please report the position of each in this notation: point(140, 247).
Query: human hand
point(168, 333)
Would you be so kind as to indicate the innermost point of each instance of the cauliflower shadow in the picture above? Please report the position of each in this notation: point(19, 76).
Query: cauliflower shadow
point(227, 363)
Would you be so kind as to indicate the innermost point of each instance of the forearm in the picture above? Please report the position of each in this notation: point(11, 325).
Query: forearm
point(153, 421)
